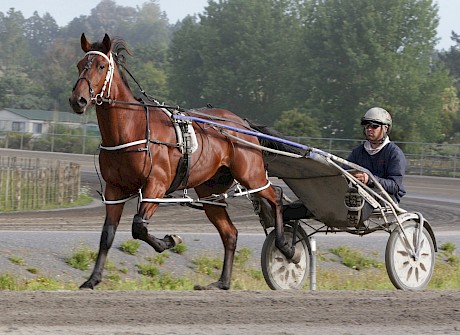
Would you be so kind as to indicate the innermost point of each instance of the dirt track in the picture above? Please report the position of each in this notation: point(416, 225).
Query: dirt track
point(230, 312)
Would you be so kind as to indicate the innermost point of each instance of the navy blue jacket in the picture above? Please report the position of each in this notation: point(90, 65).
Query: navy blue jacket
point(388, 166)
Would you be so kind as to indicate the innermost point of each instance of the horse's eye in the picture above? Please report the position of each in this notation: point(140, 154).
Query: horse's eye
point(101, 67)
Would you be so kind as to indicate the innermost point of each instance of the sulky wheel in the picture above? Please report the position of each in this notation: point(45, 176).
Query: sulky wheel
point(279, 273)
point(406, 270)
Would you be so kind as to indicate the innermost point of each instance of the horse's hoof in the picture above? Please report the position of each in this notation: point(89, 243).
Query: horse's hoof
point(210, 287)
point(86, 286)
point(174, 239)
point(296, 257)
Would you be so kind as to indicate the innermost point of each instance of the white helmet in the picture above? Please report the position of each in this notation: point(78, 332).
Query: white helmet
point(377, 115)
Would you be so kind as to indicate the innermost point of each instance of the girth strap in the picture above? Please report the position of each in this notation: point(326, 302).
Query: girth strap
point(183, 167)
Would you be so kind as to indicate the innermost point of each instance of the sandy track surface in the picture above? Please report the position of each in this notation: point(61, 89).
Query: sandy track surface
point(230, 312)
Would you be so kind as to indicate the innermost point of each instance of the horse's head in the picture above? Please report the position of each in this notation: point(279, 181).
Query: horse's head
point(95, 70)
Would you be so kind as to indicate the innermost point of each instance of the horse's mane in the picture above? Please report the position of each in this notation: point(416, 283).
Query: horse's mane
point(273, 144)
point(119, 49)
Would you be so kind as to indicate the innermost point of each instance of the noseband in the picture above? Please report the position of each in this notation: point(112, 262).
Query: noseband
point(98, 98)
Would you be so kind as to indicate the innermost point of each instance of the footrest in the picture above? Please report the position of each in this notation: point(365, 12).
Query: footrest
point(354, 202)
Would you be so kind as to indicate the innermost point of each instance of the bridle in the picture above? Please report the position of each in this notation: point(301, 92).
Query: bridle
point(98, 98)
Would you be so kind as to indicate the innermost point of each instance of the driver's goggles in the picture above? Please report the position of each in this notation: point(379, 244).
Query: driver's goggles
point(371, 125)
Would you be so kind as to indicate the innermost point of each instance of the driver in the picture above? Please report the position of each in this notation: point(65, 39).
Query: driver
point(383, 158)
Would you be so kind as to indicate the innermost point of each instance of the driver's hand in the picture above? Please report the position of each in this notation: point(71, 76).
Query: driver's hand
point(362, 177)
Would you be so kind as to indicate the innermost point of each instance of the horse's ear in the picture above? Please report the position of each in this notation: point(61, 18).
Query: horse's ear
point(106, 44)
point(85, 45)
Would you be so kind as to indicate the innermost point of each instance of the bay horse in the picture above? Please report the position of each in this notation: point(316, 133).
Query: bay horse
point(140, 154)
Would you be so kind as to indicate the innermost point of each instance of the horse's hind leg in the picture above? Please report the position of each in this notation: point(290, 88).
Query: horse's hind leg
point(229, 235)
point(252, 176)
point(290, 252)
point(113, 214)
point(218, 215)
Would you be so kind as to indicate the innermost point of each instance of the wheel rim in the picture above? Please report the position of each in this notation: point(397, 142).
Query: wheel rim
point(284, 273)
point(413, 273)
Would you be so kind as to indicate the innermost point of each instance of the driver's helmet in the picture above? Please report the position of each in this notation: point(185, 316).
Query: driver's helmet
point(377, 115)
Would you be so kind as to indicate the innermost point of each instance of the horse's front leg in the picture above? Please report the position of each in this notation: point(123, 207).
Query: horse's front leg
point(140, 230)
point(113, 214)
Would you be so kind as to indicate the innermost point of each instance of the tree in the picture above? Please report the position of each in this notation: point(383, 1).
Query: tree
point(366, 53)
point(148, 67)
point(186, 74)
point(244, 53)
point(297, 123)
point(18, 88)
point(106, 17)
point(451, 59)
point(40, 32)
point(150, 27)
point(14, 53)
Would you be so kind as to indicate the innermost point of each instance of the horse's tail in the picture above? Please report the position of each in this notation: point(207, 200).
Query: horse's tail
point(271, 143)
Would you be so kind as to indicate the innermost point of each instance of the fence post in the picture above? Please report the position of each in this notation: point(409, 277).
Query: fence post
point(17, 189)
point(60, 191)
point(421, 160)
point(312, 263)
point(454, 175)
point(43, 185)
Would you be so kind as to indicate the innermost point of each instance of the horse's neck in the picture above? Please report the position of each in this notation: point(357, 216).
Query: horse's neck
point(120, 124)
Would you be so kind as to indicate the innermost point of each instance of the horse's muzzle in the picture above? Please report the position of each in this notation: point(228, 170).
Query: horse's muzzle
point(78, 104)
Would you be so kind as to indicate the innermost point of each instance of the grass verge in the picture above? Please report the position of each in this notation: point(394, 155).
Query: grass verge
point(348, 269)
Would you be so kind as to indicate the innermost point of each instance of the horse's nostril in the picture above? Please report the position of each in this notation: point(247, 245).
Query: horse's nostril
point(82, 102)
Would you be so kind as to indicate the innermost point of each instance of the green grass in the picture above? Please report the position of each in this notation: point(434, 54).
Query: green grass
point(17, 260)
point(82, 258)
point(208, 266)
point(180, 248)
point(205, 269)
point(8, 282)
point(130, 247)
point(353, 259)
point(82, 200)
point(159, 259)
point(12, 283)
point(447, 269)
point(148, 270)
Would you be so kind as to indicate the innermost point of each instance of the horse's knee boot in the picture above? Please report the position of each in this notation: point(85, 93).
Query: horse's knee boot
point(139, 228)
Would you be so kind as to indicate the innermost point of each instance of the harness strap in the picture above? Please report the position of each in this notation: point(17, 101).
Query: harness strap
point(211, 200)
point(116, 202)
point(108, 77)
point(242, 191)
point(122, 146)
point(183, 167)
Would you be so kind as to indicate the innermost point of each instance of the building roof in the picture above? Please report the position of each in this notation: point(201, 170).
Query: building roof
point(37, 114)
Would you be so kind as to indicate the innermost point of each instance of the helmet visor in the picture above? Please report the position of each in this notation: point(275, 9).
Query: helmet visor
point(365, 123)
